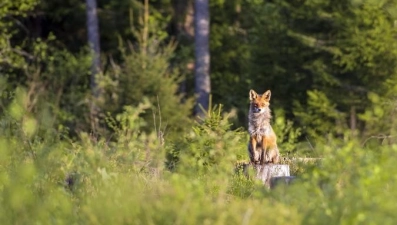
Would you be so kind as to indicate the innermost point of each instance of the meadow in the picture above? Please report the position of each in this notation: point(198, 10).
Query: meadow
point(135, 178)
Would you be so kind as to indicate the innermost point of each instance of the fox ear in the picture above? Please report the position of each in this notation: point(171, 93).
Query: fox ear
point(267, 95)
point(253, 95)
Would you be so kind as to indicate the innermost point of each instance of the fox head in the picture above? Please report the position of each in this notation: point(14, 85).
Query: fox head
point(259, 103)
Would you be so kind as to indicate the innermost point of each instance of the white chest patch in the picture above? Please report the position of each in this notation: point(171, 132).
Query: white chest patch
point(259, 124)
point(262, 131)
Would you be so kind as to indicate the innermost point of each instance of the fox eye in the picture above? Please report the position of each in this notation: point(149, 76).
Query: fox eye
point(256, 105)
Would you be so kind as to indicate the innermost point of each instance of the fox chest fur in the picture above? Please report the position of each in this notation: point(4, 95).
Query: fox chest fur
point(259, 125)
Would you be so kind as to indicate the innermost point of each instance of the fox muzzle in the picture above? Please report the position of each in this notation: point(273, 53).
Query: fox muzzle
point(257, 110)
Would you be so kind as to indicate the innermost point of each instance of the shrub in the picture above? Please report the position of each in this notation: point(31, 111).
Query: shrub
point(45, 178)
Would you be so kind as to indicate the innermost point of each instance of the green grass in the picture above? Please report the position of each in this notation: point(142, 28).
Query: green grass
point(127, 179)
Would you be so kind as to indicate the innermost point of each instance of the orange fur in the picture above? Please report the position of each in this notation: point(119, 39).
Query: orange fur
point(262, 146)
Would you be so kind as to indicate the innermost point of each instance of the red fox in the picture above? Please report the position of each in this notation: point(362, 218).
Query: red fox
point(262, 146)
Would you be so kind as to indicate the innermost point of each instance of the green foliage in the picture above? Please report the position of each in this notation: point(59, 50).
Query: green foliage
point(11, 55)
point(346, 187)
point(151, 164)
point(320, 116)
point(40, 169)
point(210, 146)
point(287, 135)
point(58, 81)
point(55, 80)
point(326, 62)
point(380, 121)
point(343, 51)
point(48, 179)
point(323, 60)
point(230, 56)
point(145, 72)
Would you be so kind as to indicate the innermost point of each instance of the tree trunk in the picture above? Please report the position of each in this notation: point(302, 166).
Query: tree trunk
point(202, 56)
point(93, 41)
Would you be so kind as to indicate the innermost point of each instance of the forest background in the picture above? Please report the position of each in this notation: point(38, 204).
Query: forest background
point(74, 138)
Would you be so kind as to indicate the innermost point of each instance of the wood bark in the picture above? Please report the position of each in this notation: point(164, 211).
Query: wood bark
point(268, 172)
point(93, 41)
point(202, 56)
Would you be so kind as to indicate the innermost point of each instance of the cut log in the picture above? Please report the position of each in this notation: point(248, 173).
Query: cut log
point(266, 172)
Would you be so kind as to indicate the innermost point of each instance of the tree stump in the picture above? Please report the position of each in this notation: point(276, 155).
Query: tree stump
point(266, 172)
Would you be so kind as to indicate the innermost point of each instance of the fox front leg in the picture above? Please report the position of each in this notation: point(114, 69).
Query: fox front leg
point(254, 155)
point(264, 153)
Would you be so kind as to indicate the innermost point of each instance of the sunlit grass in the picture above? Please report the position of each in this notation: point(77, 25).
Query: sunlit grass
point(126, 180)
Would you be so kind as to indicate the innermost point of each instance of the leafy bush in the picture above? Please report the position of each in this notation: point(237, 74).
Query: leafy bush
point(209, 145)
point(144, 71)
point(46, 178)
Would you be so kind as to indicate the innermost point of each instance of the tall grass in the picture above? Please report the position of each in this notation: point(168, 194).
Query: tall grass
point(131, 178)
